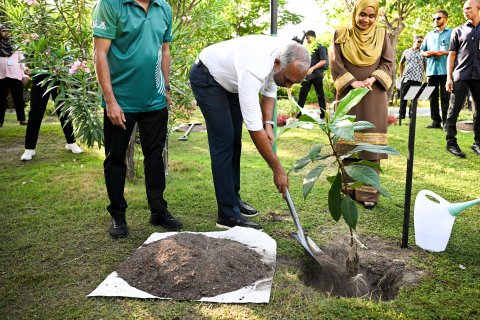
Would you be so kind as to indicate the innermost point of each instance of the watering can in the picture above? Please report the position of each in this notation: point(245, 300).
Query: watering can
point(433, 221)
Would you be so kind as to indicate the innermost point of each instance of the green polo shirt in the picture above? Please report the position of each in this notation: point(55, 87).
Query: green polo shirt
point(135, 53)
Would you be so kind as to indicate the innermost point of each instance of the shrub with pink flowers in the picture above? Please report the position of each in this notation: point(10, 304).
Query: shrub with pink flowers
point(55, 36)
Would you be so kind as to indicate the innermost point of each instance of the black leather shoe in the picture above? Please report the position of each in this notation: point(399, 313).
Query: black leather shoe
point(118, 227)
point(369, 205)
point(434, 126)
point(455, 150)
point(246, 209)
point(240, 221)
point(165, 219)
point(475, 147)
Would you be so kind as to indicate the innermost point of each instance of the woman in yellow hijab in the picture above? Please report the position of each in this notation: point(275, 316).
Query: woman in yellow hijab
point(361, 57)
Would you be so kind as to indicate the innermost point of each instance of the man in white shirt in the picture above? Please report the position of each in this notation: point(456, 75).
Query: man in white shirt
point(226, 81)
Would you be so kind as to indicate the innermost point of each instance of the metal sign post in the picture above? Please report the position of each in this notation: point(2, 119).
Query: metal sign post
point(415, 93)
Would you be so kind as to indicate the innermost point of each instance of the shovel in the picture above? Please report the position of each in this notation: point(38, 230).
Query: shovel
point(304, 240)
point(184, 137)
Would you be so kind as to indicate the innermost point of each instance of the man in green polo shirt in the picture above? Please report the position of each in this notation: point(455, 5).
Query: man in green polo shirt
point(132, 61)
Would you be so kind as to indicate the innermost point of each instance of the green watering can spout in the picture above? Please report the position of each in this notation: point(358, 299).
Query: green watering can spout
point(455, 208)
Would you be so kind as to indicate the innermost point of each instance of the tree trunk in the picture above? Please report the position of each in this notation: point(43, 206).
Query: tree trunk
point(393, 36)
point(130, 155)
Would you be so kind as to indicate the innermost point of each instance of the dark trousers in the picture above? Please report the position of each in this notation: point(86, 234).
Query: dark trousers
point(38, 105)
point(153, 131)
point(440, 91)
point(403, 103)
point(457, 100)
point(16, 88)
point(305, 89)
point(221, 110)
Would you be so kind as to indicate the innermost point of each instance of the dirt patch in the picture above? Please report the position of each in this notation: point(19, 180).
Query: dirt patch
point(196, 128)
point(384, 269)
point(275, 217)
point(188, 266)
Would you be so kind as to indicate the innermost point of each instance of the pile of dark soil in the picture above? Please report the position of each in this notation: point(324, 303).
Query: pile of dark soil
point(188, 266)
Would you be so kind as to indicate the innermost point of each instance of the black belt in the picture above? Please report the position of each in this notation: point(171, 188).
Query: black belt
point(202, 66)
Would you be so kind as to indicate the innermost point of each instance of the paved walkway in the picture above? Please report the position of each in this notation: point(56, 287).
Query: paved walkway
point(421, 112)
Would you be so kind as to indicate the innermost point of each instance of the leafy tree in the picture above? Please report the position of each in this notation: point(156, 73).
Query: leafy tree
point(253, 16)
point(398, 16)
point(56, 39)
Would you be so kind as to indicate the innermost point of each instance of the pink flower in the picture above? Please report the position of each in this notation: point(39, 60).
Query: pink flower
point(392, 119)
point(73, 69)
point(31, 2)
point(77, 64)
point(186, 18)
point(87, 70)
point(35, 36)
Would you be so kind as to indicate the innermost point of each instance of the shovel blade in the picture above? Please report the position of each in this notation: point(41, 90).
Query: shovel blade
point(309, 245)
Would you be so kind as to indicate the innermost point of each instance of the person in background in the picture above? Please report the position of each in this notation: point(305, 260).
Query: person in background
point(362, 57)
point(132, 61)
point(463, 73)
point(435, 49)
point(412, 69)
point(12, 77)
point(319, 63)
point(226, 82)
point(38, 105)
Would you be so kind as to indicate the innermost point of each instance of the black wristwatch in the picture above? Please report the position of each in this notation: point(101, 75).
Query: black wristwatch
point(167, 86)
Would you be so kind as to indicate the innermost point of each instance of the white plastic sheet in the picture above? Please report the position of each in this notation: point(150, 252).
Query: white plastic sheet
point(259, 292)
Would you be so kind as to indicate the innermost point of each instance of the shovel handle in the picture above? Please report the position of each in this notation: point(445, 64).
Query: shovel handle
point(294, 213)
point(186, 133)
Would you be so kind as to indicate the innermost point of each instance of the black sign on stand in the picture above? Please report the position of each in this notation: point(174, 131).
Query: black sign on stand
point(414, 93)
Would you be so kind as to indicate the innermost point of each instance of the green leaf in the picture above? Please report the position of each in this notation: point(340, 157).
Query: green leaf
point(384, 192)
point(343, 129)
point(314, 153)
point(331, 179)
point(301, 163)
point(349, 212)
point(286, 128)
point(349, 101)
point(311, 178)
point(362, 125)
point(370, 164)
point(364, 175)
point(307, 119)
point(372, 148)
point(335, 198)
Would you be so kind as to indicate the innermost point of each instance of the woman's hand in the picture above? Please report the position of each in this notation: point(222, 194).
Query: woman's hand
point(357, 84)
point(369, 82)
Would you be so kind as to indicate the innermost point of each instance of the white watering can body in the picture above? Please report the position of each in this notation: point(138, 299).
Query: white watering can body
point(433, 221)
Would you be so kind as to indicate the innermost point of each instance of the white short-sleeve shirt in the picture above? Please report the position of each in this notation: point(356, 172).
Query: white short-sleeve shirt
point(244, 65)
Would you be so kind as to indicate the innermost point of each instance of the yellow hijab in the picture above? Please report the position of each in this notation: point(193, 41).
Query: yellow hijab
point(361, 47)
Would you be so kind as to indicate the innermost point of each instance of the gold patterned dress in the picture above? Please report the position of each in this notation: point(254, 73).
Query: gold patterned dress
point(372, 108)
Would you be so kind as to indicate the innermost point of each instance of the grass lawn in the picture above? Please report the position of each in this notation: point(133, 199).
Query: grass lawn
point(55, 248)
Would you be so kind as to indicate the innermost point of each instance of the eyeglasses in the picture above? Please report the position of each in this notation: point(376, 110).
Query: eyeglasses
point(437, 18)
